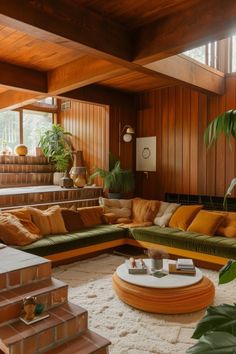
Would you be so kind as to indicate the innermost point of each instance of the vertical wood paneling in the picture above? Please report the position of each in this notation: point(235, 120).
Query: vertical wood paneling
point(89, 125)
point(178, 117)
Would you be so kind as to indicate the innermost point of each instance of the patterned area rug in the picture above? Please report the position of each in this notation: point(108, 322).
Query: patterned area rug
point(130, 331)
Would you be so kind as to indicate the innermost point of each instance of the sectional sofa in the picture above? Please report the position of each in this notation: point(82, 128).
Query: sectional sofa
point(95, 234)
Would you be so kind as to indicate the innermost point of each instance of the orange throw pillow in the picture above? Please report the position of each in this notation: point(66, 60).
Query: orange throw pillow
point(91, 216)
point(144, 210)
point(228, 227)
point(49, 221)
point(12, 232)
point(183, 216)
point(24, 216)
point(206, 222)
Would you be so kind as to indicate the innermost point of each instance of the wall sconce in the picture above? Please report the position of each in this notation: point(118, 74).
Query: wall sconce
point(126, 134)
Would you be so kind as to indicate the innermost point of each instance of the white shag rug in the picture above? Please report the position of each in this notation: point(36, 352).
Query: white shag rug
point(129, 330)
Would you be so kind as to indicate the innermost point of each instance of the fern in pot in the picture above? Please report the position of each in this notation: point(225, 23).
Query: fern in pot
point(116, 181)
point(57, 147)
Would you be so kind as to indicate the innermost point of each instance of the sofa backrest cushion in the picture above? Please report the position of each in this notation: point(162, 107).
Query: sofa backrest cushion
point(72, 220)
point(165, 212)
point(228, 227)
point(144, 210)
point(23, 214)
point(12, 232)
point(120, 207)
point(91, 216)
point(206, 222)
point(183, 216)
point(49, 221)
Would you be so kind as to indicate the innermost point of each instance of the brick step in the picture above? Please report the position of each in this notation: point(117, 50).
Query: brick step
point(87, 343)
point(64, 323)
point(18, 168)
point(14, 159)
point(24, 179)
point(45, 195)
point(21, 268)
point(50, 292)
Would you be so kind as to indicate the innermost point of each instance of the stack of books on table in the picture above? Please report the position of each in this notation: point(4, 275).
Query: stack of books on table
point(183, 266)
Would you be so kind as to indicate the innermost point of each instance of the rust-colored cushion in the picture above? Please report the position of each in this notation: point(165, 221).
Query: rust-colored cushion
point(12, 232)
point(228, 227)
point(144, 210)
point(23, 214)
point(49, 221)
point(91, 216)
point(72, 219)
point(183, 216)
point(206, 222)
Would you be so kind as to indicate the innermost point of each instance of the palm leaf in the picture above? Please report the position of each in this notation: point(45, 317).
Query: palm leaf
point(215, 343)
point(218, 318)
point(228, 272)
point(229, 191)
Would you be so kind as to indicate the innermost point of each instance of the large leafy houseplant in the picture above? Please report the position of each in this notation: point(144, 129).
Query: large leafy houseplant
point(115, 180)
point(56, 146)
point(217, 330)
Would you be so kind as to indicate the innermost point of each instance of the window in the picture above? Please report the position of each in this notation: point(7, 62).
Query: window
point(9, 129)
point(233, 55)
point(34, 124)
point(198, 54)
point(23, 127)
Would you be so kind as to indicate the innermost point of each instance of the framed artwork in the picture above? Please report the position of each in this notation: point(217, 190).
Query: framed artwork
point(146, 154)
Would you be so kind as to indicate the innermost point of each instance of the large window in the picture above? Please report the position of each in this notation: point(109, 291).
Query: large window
point(23, 127)
point(206, 54)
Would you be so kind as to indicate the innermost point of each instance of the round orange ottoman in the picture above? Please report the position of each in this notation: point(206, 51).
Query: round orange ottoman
point(167, 301)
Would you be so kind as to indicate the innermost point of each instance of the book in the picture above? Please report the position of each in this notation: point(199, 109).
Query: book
point(184, 263)
point(36, 318)
point(137, 267)
point(174, 270)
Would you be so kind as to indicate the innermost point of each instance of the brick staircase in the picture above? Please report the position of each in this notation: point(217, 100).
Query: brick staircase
point(66, 328)
point(24, 171)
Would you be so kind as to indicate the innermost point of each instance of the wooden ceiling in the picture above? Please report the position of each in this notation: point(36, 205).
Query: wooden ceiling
point(52, 47)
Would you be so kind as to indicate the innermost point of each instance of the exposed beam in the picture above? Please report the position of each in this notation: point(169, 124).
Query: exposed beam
point(207, 21)
point(81, 72)
point(99, 94)
point(12, 76)
point(191, 72)
point(14, 99)
point(67, 24)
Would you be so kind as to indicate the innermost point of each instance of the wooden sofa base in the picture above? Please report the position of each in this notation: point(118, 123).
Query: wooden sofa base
point(204, 258)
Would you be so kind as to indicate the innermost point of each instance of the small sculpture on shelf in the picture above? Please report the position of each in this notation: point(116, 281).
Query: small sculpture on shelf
point(29, 305)
point(66, 181)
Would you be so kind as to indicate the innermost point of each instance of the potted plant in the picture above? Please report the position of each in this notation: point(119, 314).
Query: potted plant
point(56, 146)
point(217, 330)
point(117, 181)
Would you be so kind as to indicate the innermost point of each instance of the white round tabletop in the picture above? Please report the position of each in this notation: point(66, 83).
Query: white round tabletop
point(148, 280)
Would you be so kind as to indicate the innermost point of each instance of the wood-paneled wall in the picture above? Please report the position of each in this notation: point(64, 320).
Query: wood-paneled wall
point(89, 125)
point(178, 117)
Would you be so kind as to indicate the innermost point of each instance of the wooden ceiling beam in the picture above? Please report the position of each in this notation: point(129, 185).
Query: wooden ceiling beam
point(81, 72)
point(13, 76)
point(207, 21)
point(190, 72)
point(65, 23)
point(11, 99)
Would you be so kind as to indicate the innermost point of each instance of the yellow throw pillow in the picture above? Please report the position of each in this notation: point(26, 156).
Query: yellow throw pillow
point(49, 221)
point(206, 222)
point(228, 227)
point(92, 215)
point(12, 232)
point(144, 210)
point(23, 214)
point(183, 216)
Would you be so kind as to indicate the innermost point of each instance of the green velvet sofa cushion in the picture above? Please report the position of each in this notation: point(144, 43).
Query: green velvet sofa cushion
point(83, 238)
point(213, 245)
